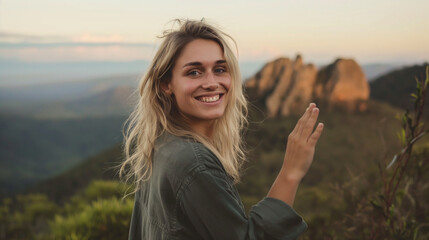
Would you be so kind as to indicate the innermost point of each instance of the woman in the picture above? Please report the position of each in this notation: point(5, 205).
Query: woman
point(184, 149)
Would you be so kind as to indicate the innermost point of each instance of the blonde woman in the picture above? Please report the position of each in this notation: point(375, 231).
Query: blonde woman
point(184, 149)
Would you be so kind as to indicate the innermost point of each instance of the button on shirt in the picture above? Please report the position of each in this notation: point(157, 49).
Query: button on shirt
point(190, 196)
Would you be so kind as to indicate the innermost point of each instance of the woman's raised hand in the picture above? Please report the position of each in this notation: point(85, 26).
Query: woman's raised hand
point(301, 145)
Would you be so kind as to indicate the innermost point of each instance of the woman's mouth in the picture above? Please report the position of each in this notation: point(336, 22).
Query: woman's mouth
point(209, 99)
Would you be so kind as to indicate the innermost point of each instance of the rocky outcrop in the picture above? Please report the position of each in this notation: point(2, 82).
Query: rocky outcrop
point(275, 99)
point(267, 77)
point(301, 94)
point(287, 86)
point(342, 84)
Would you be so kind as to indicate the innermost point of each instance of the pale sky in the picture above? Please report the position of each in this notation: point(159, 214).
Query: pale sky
point(369, 31)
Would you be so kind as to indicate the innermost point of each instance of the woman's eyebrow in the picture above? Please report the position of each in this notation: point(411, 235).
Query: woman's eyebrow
point(192, 64)
point(200, 64)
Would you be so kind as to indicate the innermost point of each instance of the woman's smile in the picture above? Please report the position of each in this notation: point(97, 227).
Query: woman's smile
point(210, 98)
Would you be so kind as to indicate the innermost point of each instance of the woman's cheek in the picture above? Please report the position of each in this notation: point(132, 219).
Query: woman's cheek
point(227, 82)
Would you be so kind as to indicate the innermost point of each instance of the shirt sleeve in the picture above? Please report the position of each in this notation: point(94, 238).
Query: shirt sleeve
point(210, 205)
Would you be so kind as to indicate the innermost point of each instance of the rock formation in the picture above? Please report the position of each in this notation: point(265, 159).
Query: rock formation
point(301, 93)
point(342, 84)
point(267, 77)
point(286, 87)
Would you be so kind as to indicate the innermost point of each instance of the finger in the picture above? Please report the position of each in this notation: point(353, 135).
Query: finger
point(312, 114)
point(312, 140)
point(309, 125)
point(303, 119)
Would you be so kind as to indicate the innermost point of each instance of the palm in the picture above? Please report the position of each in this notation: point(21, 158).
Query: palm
point(301, 144)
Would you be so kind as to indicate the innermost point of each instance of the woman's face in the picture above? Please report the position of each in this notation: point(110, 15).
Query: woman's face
point(200, 82)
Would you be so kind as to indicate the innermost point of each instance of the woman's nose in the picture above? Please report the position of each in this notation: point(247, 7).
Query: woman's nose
point(210, 83)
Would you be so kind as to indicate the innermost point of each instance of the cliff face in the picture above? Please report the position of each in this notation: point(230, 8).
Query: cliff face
point(288, 86)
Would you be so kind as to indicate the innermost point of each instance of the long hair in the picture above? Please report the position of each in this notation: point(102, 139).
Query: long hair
point(157, 111)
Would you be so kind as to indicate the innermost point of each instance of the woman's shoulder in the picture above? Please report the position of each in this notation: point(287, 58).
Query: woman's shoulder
point(183, 149)
point(180, 157)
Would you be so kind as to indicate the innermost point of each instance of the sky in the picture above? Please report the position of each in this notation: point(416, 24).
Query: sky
point(369, 31)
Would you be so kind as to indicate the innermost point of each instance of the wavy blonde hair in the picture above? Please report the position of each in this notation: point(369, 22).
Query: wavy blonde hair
point(157, 111)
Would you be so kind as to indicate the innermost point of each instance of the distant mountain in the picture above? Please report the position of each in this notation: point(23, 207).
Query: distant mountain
point(111, 102)
point(35, 149)
point(21, 73)
point(396, 86)
point(373, 71)
point(70, 90)
point(97, 97)
point(116, 101)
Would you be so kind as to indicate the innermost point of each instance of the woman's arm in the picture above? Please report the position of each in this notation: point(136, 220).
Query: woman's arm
point(298, 157)
point(214, 211)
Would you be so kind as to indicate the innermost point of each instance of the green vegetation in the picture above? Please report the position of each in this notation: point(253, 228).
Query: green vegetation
point(396, 208)
point(107, 216)
point(97, 212)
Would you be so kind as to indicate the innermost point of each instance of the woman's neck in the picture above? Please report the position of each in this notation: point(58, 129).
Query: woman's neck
point(205, 128)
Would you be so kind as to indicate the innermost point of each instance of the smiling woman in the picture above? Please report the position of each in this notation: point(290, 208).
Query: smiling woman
point(184, 149)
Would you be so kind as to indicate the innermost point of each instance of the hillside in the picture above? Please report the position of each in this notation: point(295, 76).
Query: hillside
point(351, 141)
point(35, 149)
point(102, 166)
point(396, 87)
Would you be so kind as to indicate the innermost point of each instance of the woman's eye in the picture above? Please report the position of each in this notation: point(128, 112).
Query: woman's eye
point(220, 70)
point(193, 73)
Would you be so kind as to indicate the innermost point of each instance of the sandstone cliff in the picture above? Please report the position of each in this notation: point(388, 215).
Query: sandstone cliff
point(287, 86)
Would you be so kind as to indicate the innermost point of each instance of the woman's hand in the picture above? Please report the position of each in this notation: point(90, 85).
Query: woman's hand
point(299, 156)
point(301, 145)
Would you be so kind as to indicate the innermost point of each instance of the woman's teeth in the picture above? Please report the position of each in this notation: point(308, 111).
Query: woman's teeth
point(209, 99)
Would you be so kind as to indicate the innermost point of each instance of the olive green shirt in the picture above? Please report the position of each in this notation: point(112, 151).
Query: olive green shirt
point(190, 196)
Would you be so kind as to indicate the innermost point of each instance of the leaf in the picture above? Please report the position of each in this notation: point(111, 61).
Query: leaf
point(418, 86)
point(401, 136)
point(393, 161)
point(404, 119)
point(414, 95)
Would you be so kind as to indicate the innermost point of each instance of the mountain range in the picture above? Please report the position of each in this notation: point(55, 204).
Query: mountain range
point(51, 128)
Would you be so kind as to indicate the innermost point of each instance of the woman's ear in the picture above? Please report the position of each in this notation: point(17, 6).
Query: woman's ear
point(166, 88)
